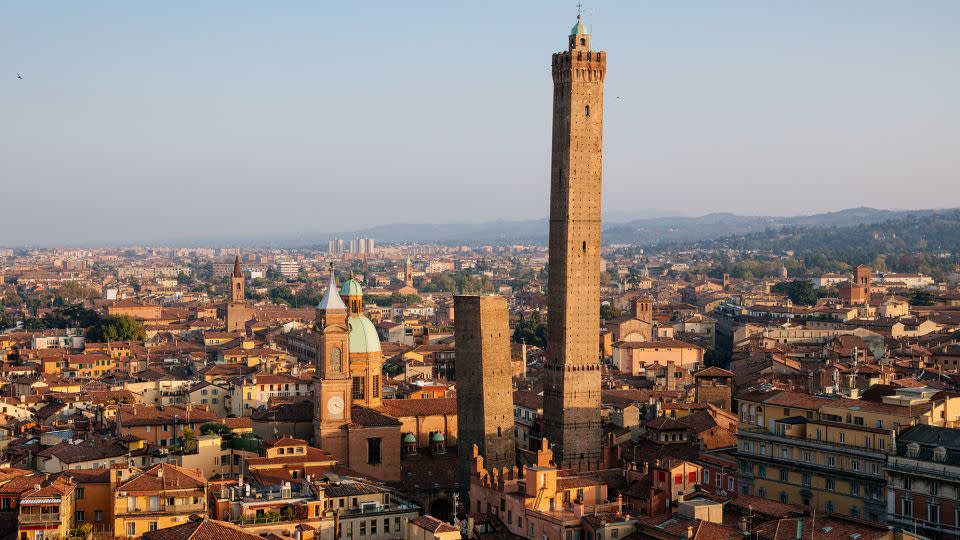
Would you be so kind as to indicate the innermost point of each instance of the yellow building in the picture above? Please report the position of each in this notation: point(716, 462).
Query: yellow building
point(162, 496)
point(828, 453)
point(47, 510)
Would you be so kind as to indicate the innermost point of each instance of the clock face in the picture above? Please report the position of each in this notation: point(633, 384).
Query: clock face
point(335, 406)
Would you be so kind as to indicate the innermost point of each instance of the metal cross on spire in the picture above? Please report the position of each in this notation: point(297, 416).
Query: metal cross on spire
point(579, 8)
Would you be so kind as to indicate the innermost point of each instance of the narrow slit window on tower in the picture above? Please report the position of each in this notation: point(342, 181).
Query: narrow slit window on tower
point(584, 246)
point(586, 110)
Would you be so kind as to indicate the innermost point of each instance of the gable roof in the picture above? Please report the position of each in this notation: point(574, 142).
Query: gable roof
point(202, 529)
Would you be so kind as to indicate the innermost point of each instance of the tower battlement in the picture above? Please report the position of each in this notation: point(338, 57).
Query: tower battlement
point(589, 66)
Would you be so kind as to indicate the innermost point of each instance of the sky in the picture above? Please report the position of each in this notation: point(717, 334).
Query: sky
point(143, 121)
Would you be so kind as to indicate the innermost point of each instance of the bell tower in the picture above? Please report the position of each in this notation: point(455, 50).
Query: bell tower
point(236, 316)
point(332, 380)
point(571, 397)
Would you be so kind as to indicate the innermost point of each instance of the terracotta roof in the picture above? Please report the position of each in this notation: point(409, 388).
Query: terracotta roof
point(205, 529)
point(285, 441)
point(713, 371)
point(364, 416)
point(164, 476)
point(433, 524)
point(419, 407)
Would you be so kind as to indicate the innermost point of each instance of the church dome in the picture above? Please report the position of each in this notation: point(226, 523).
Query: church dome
point(437, 437)
point(409, 438)
point(579, 28)
point(351, 287)
point(363, 335)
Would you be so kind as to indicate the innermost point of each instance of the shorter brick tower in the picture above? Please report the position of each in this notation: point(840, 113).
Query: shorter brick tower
point(714, 385)
point(484, 383)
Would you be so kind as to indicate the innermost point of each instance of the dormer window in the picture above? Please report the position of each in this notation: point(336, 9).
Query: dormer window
point(939, 454)
point(913, 449)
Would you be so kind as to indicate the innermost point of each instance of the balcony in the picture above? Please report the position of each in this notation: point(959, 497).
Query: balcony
point(39, 518)
point(913, 466)
point(165, 509)
point(849, 449)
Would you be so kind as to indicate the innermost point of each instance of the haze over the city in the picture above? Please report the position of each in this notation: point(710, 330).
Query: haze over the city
point(137, 122)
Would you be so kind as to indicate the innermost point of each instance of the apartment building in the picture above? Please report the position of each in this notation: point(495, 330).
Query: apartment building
point(827, 453)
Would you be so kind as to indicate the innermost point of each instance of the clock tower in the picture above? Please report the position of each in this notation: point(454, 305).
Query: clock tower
point(332, 379)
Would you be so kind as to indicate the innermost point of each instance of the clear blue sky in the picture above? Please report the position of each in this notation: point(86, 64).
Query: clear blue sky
point(138, 121)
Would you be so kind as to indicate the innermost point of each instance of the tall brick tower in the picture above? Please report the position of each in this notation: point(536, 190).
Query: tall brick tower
point(484, 384)
point(571, 398)
point(237, 315)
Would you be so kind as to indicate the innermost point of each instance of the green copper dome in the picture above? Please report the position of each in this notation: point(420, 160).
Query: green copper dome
point(437, 437)
point(351, 287)
point(579, 28)
point(409, 438)
point(363, 335)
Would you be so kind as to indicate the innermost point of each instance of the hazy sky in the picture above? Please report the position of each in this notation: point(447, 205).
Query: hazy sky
point(167, 120)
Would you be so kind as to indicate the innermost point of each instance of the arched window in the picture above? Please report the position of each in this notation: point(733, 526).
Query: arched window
point(336, 359)
point(583, 41)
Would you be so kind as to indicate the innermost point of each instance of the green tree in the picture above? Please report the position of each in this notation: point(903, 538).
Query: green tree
point(800, 291)
point(608, 311)
point(920, 297)
point(116, 328)
point(188, 441)
point(532, 331)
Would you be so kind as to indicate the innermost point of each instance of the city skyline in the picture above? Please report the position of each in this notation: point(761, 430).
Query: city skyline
point(207, 108)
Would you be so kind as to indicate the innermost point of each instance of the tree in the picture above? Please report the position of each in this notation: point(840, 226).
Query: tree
point(920, 297)
point(800, 291)
point(116, 328)
point(608, 311)
point(532, 331)
point(188, 441)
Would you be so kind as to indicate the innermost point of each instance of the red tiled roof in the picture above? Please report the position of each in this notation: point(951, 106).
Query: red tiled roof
point(205, 529)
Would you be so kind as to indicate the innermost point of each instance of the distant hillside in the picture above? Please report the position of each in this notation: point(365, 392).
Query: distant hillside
point(931, 234)
point(642, 231)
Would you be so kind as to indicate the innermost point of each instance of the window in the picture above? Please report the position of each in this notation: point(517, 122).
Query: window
point(906, 508)
point(854, 512)
point(131, 528)
point(831, 461)
point(807, 479)
point(153, 525)
point(692, 477)
point(843, 437)
point(784, 475)
point(831, 484)
point(376, 386)
point(934, 487)
point(98, 515)
point(784, 497)
point(855, 463)
point(586, 109)
point(373, 451)
point(829, 506)
point(373, 527)
point(706, 477)
point(762, 492)
point(807, 456)
point(80, 494)
point(336, 359)
point(730, 483)
point(855, 489)
point(358, 388)
point(386, 525)
point(762, 472)
point(81, 516)
point(907, 483)
point(363, 528)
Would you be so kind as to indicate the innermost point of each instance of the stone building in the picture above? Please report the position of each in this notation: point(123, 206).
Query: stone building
point(485, 389)
point(714, 385)
point(572, 370)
